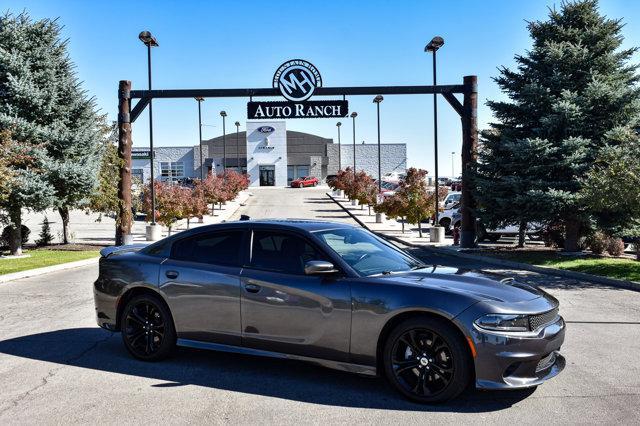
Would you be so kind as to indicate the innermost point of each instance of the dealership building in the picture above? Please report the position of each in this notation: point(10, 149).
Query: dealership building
point(270, 154)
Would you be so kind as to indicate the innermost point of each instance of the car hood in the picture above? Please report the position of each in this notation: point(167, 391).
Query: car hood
point(482, 285)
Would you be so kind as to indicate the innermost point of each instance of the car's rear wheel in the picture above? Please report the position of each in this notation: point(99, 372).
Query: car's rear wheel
point(147, 328)
point(494, 238)
point(446, 224)
point(426, 360)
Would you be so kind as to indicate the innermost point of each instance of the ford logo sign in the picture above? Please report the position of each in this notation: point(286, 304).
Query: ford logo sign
point(266, 129)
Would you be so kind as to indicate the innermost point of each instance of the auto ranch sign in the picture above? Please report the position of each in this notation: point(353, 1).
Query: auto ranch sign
point(297, 80)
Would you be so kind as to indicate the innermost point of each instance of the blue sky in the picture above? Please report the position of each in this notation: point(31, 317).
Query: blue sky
point(231, 44)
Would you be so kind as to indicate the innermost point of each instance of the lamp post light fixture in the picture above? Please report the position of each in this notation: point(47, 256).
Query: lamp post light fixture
point(433, 46)
point(223, 114)
point(200, 99)
point(353, 116)
point(338, 125)
point(150, 41)
point(238, 147)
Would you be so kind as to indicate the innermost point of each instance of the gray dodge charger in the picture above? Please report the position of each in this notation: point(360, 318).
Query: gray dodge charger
point(334, 295)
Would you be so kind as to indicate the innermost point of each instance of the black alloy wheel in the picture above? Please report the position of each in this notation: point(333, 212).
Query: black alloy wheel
point(147, 328)
point(426, 361)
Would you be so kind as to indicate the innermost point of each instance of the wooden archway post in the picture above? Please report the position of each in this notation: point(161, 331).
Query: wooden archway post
point(469, 157)
point(124, 216)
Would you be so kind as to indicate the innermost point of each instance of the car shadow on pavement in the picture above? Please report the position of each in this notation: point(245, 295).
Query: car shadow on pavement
point(100, 350)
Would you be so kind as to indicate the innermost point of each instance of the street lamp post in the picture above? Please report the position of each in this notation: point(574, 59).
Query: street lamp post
point(338, 125)
point(153, 233)
point(433, 46)
point(238, 147)
point(223, 114)
point(377, 100)
point(200, 99)
point(354, 115)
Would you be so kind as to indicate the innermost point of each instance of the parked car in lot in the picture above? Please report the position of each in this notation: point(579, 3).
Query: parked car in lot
point(301, 182)
point(451, 199)
point(451, 217)
point(331, 294)
point(388, 188)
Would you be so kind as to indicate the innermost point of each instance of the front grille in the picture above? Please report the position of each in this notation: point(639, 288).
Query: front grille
point(546, 362)
point(537, 321)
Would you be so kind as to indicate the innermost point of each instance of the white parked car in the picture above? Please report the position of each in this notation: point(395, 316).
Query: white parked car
point(450, 218)
point(451, 199)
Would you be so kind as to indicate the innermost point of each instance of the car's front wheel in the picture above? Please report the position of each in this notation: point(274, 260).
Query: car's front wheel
point(426, 360)
point(147, 328)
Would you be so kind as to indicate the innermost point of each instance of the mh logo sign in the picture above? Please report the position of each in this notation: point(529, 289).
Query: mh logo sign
point(297, 79)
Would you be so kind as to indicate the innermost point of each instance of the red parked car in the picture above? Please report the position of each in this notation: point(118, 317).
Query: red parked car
point(304, 181)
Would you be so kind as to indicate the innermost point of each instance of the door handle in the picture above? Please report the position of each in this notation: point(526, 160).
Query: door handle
point(252, 288)
point(171, 274)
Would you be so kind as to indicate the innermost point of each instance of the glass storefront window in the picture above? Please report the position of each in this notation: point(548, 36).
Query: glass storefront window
point(171, 170)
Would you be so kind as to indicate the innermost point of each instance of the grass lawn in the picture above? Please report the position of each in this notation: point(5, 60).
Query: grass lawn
point(623, 269)
point(44, 257)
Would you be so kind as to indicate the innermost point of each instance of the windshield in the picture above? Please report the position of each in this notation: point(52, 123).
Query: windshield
point(366, 253)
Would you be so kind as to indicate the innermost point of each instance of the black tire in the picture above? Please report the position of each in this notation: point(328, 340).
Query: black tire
point(147, 328)
point(439, 371)
point(494, 238)
point(481, 234)
point(446, 224)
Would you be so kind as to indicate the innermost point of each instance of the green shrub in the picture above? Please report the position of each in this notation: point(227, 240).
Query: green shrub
point(598, 242)
point(615, 246)
point(6, 235)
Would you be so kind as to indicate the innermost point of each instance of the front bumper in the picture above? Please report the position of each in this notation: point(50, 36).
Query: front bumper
point(513, 360)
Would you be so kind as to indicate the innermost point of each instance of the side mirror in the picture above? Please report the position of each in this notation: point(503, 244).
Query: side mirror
point(315, 267)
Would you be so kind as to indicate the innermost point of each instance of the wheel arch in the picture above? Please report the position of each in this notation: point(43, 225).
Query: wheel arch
point(405, 315)
point(132, 292)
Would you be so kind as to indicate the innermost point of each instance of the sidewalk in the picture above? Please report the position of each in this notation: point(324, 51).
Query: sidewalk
point(390, 227)
point(94, 229)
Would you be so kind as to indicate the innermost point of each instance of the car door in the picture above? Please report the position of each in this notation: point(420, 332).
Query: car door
point(201, 280)
point(284, 310)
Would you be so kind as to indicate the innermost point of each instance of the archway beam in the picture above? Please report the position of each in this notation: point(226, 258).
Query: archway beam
point(319, 91)
point(467, 111)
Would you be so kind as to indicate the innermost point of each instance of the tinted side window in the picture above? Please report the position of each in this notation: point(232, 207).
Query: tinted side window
point(218, 248)
point(282, 252)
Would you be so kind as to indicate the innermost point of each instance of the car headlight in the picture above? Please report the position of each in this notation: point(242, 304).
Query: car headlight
point(504, 322)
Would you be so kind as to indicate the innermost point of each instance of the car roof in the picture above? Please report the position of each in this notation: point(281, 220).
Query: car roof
point(308, 225)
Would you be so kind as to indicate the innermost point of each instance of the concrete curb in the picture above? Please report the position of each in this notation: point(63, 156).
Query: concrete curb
point(47, 269)
point(629, 285)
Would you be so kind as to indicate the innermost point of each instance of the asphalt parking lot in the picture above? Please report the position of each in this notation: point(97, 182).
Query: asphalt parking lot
point(56, 366)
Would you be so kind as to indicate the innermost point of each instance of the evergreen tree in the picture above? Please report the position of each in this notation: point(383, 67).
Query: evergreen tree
point(104, 198)
point(570, 96)
point(27, 109)
point(611, 189)
point(49, 114)
point(45, 234)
